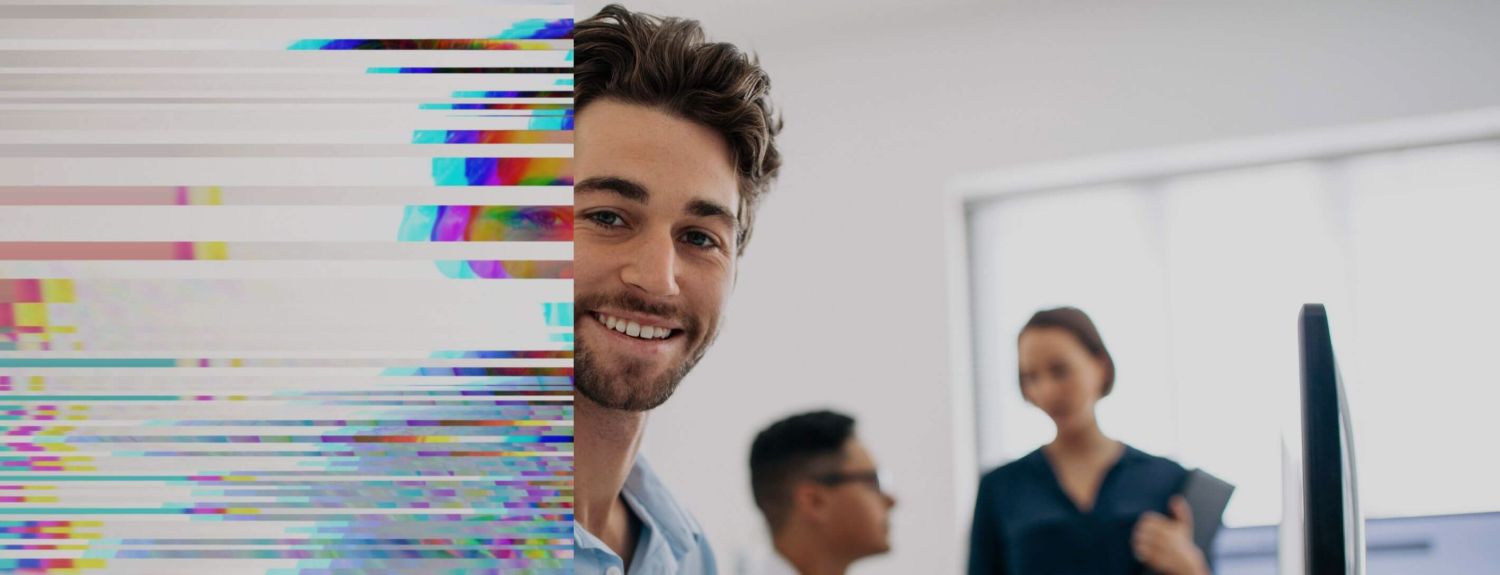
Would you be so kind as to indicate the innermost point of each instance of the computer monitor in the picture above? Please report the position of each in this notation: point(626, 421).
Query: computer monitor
point(1323, 528)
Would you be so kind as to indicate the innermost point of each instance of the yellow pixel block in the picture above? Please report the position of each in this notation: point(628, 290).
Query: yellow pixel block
point(210, 196)
point(210, 251)
point(30, 314)
point(58, 291)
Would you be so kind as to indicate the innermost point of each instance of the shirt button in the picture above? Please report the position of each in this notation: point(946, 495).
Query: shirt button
point(613, 571)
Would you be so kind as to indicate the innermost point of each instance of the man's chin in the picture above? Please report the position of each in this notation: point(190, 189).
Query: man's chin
point(628, 384)
point(609, 399)
point(622, 390)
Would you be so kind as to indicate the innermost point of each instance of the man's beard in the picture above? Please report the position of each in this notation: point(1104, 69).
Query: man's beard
point(626, 387)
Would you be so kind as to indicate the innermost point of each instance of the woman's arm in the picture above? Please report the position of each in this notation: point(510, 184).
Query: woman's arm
point(986, 540)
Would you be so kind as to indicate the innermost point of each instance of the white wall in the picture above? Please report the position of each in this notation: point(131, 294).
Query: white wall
point(841, 297)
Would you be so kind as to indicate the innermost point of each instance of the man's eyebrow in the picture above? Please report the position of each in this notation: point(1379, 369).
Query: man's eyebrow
point(707, 209)
point(624, 188)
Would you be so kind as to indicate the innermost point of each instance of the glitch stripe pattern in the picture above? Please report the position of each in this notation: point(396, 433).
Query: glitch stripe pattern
point(286, 287)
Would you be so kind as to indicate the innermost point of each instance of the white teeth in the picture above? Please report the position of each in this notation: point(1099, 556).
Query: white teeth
point(634, 329)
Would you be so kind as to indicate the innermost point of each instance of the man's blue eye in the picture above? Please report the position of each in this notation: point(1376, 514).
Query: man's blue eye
point(700, 239)
point(606, 219)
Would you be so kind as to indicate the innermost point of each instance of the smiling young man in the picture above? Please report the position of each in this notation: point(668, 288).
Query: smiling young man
point(675, 145)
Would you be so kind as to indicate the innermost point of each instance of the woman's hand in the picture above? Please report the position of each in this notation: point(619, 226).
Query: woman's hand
point(1166, 543)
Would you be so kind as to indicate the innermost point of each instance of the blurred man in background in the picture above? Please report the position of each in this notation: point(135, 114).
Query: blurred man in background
point(821, 494)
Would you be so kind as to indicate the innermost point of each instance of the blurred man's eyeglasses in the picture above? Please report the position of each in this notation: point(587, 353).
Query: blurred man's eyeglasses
point(875, 479)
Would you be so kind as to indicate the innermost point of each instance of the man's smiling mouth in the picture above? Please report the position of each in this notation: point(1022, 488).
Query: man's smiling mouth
point(635, 329)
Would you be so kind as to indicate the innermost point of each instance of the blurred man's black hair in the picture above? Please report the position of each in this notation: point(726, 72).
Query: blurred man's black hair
point(796, 448)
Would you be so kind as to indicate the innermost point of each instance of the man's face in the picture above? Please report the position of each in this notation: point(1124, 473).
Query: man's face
point(859, 512)
point(655, 215)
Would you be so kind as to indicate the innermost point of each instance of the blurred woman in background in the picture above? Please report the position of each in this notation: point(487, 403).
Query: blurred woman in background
point(1084, 503)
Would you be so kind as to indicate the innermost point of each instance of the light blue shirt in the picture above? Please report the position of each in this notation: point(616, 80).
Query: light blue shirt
point(671, 542)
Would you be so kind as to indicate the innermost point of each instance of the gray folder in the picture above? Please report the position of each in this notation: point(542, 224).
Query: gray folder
point(1208, 496)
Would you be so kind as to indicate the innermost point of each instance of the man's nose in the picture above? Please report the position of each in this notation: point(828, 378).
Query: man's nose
point(653, 266)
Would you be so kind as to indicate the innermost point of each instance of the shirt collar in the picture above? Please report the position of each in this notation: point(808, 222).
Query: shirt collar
point(668, 533)
point(659, 511)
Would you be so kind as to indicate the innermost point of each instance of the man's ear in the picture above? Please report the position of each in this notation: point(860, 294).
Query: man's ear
point(810, 500)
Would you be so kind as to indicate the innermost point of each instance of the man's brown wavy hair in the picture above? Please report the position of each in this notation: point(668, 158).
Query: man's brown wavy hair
point(668, 64)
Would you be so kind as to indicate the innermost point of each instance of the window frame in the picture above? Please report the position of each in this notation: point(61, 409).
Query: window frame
point(965, 192)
